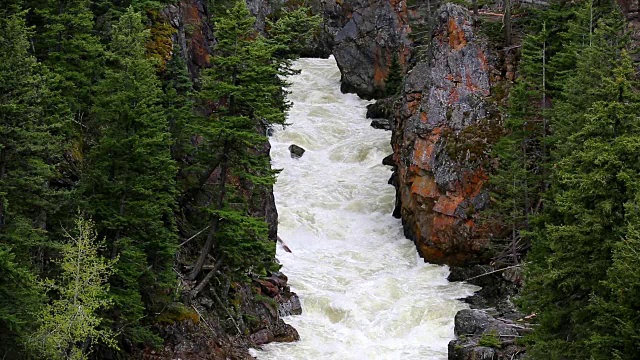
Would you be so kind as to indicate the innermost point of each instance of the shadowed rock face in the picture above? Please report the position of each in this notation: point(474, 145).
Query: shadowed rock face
point(364, 47)
point(439, 177)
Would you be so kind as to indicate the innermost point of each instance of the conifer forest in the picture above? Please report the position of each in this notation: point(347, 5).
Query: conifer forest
point(137, 211)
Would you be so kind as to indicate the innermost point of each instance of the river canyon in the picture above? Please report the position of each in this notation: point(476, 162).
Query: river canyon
point(365, 292)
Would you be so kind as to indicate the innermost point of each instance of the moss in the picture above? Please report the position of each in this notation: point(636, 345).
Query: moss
point(177, 312)
point(160, 43)
point(490, 339)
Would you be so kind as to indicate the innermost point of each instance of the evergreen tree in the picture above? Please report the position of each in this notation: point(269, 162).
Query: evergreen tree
point(129, 181)
point(580, 83)
point(67, 45)
point(179, 105)
point(394, 79)
point(243, 82)
point(519, 181)
point(30, 147)
point(595, 185)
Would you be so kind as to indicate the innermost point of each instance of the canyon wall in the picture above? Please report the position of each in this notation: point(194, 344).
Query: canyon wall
point(439, 123)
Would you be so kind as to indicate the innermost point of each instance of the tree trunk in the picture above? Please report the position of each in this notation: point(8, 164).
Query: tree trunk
point(215, 220)
point(3, 172)
point(507, 22)
point(206, 280)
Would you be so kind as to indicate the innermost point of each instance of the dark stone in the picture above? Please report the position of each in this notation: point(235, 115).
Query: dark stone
point(382, 109)
point(388, 160)
point(296, 151)
point(382, 124)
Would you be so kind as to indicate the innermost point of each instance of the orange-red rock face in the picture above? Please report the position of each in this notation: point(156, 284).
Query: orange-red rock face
point(440, 187)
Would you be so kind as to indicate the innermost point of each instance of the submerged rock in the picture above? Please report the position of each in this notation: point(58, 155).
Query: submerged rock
point(296, 151)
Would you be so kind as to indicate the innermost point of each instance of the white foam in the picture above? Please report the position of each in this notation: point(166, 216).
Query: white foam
point(364, 293)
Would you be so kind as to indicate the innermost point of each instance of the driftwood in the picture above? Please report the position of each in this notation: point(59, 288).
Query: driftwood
point(284, 246)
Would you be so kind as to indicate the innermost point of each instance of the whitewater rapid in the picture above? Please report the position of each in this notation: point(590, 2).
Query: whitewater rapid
point(365, 293)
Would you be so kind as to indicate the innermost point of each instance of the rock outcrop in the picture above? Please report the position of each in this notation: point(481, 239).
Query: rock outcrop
point(200, 332)
point(490, 329)
point(483, 337)
point(440, 141)
point(364, 47)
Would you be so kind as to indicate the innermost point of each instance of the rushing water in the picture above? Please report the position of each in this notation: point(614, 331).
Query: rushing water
point(365, 293)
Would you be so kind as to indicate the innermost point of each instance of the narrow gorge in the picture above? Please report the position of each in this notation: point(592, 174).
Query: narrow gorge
point(365, 293)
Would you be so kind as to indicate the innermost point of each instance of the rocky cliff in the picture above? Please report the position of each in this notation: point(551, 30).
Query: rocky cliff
point(439, 140)
point(375, 32)
point(208, 327)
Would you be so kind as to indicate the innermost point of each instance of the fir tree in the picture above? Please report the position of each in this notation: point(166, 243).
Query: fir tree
point(67, 45)
point(30, 147)
point(243, 81)
point(394, 79)
point(520, 179)
point(130, 178)
point(594, 185)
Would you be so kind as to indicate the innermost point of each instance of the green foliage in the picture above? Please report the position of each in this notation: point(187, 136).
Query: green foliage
point(490, 339)
point(20, 299)
point(85, 121)
point(70, 325)
point(394, 79)
point(31, 142)
point(291, 32)
point(68, 46)
point(130, 178)
point(519, 179)
point(595, 185)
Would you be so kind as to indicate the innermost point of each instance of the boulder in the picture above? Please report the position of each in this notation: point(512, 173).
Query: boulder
point(388, 160)
point(296, 151)
point(382, 124)
point(481, 336)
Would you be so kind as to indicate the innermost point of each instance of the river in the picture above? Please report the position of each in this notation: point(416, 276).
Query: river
point(365, 293)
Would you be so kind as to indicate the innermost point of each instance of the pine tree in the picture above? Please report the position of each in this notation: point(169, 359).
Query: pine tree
point(394, 79)
point(243, 82)
point(594, 186)
point(30, 147)
point(580, 83)
point(130, 178)
point(179, 105)
point(520, 178)
point(70, 326)
point(66, 44)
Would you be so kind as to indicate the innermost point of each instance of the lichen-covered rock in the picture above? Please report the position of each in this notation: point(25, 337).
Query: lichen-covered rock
point(480, 336)
point(440, 142)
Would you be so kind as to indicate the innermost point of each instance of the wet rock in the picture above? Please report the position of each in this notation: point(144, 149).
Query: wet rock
point(268, 288)
point(476, 322)
point(289, 334)
point(290, 305)
point(382, 108)
point(296, 151)
point(496, 293)
point(382, 124)
point(263, 336)
point(388, 160)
